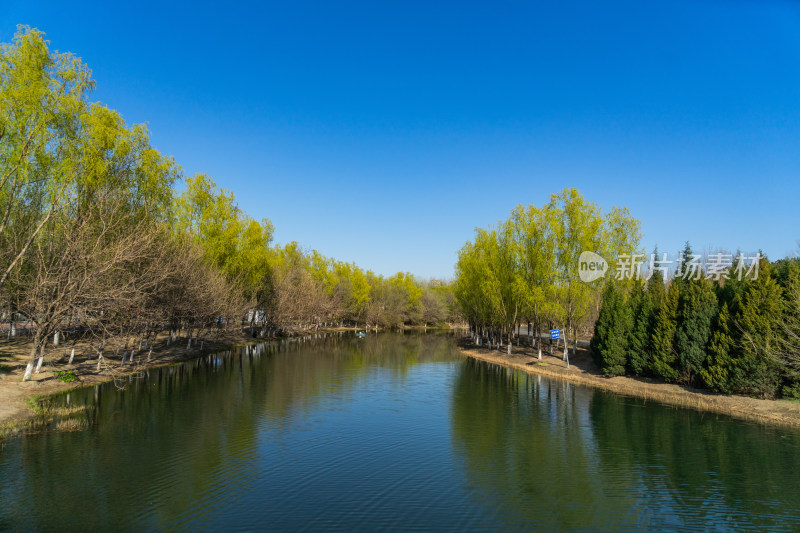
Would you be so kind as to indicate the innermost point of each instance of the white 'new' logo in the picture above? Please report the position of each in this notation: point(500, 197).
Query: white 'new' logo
point(591, 266)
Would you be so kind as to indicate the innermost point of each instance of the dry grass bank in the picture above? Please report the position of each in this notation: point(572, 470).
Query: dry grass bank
point(583, 371)
point(17, 396)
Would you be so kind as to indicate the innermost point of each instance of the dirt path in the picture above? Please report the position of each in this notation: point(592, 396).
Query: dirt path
point(583, 371)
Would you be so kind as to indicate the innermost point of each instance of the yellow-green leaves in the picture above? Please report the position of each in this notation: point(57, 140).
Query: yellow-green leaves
point(526, 268)
point(234, 243)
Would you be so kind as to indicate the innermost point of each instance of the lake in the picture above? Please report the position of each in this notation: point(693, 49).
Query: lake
point(394, 431)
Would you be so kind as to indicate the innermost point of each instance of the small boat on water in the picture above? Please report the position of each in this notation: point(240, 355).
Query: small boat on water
point(360, 334)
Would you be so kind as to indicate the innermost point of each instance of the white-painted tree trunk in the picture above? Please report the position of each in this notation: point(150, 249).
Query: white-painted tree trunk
point(149, 354)
point(99, 361)
point(71, 356)
point(124, 355)
point(509, 348)
point(56, 338)
point(540, 351)
point(28, 372)
point(189, 344)
point(39, 363)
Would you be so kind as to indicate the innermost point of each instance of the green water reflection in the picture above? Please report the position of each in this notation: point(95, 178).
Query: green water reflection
point(393, 431)
point(565, 457)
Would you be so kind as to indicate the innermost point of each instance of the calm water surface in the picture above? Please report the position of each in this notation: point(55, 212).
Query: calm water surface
point(390, 432)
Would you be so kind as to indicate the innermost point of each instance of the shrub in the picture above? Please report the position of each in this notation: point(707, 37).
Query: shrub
point(67, 376)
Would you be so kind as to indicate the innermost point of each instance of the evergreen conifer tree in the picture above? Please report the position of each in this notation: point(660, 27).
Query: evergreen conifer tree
point(759, 323)
point(638, 357)
point(788, 276)
point(697, 310)
point(613, 326)
point(663, 339)
point(719, 370)
point(655, 285)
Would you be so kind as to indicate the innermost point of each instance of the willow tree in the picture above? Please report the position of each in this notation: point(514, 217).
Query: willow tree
point(534, 275)
point(468, 289)
point(527, 267)
point(98, 252)
point(234, 243)
point(578, 226)
point(494, 279)
point(352, 291)
point(42, 100)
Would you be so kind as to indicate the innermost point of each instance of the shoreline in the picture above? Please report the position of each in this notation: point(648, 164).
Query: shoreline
point(18, 399)
point(583, 371)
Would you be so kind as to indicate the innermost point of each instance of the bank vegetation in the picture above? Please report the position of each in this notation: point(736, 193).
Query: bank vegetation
point(101, 235)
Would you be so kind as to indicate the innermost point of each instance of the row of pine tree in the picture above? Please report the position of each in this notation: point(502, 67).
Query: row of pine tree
point(731, 336)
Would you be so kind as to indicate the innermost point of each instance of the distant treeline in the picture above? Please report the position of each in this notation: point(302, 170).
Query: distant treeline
point(93, 232)
point(732, 334)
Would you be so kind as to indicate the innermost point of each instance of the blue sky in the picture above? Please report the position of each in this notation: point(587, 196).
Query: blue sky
point(385, 132)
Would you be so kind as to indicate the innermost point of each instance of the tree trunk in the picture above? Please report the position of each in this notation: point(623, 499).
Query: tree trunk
point(32, 358)
point(41, 360)
point(29, 367)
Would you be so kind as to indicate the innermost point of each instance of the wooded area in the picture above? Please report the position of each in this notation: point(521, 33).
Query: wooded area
point(95, 239)
point(729, 335)
point(525, 270)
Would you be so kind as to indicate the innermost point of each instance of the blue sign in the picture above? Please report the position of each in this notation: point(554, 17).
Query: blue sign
point(555, 334)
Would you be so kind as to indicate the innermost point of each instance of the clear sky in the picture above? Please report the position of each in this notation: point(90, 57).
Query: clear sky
point(385, 132)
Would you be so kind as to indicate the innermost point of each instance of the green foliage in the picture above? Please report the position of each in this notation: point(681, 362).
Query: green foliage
point(91, 225)
point(5, 368)
point(40, 405)
point(67, 376)
point(718, 376)
point(526, 268)
point(641, 305)
point(609, 345)
point(737, 336)
point(233, 242)
point(697, 308)
point(787, 275)
point(663, 338)
point(759, 321)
